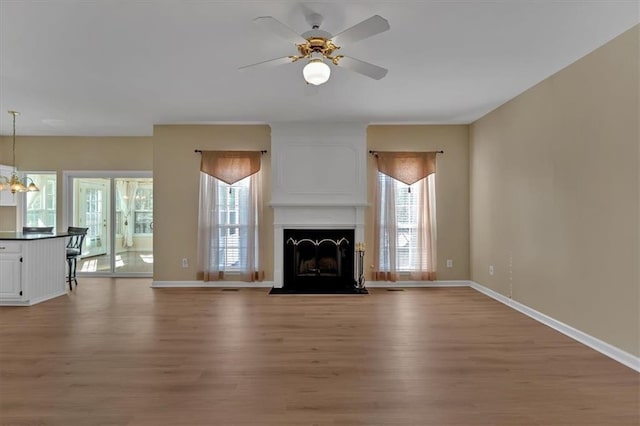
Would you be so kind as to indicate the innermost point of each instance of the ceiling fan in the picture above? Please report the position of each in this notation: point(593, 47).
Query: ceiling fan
point(317, 46)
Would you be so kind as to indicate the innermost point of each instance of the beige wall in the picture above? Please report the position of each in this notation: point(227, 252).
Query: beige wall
point(170, 153)
point(176, 181)
point(555, 193)
point(34, 153)
point(452, 187)
point(7, 218)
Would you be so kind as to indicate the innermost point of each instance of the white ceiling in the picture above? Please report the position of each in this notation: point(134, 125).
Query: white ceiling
point(119, 67)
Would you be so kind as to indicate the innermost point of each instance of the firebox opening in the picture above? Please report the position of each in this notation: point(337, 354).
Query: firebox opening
point(318, 258)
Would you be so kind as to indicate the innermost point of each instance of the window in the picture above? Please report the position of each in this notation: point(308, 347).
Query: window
point(406, 238)
point(228, 225)
point(40, 207)
point(232, 205)
point(405, 228)
point(143, 211)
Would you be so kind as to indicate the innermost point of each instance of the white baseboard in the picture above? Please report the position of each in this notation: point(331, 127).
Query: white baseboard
point(604, 348)
point(14, 303)
point(400, 284)
point(211, 284)
point(34, 301)
point(260, 284)
point(269, 284)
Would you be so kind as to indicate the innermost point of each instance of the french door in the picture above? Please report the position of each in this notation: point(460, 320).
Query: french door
point(117, 210)
point(90, 211)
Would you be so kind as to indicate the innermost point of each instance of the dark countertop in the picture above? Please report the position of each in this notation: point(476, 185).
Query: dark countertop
point(4, 236)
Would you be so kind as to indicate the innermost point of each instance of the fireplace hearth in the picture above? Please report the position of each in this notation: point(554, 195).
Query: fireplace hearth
point(318, 261)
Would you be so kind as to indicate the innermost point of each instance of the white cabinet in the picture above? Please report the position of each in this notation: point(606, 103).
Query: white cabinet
point(32, 270)
point(10, 275)
point(6, 197)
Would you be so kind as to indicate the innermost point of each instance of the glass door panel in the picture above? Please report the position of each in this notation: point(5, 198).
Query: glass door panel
point(91, 209)
point(133, 233)
point(118, 212)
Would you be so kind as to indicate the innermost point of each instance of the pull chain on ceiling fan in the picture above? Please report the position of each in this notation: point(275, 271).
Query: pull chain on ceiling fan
point(319, 46)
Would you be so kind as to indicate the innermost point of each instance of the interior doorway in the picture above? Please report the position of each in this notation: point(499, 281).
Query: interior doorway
point(117, 209)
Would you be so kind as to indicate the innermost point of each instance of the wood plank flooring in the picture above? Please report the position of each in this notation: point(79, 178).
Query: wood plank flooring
point(116, 352)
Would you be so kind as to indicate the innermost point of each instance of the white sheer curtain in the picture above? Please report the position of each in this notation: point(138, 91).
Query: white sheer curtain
point(126, 192)
point(426, 261)
point(386, 230)
point(208, 230)
point(405, 230)
point(228, 223)
point(251, 258)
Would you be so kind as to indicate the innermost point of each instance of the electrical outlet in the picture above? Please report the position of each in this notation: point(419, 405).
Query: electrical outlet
point(449, 263)
point(490, 269)
point(185, 262)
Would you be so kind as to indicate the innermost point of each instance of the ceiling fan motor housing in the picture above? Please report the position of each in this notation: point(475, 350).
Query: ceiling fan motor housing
point(317, 41)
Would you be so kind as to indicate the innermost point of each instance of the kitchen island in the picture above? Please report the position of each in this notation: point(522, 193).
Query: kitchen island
point(32, 267)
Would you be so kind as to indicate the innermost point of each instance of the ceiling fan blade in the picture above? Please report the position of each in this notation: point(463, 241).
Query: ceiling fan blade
point(362, 67)
point(367, 28)
point(269, 63)
point(280, 29)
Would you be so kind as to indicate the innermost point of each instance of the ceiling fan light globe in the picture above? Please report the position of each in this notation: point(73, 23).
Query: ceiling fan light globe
point(316, 72)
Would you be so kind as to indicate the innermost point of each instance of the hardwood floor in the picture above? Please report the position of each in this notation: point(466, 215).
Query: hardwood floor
point(116, 352)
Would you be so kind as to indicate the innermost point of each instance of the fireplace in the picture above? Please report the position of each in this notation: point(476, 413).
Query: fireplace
point(319, 187)
point(318, 259)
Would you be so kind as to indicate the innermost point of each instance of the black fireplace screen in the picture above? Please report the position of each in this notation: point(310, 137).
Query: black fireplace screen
point(318, 256)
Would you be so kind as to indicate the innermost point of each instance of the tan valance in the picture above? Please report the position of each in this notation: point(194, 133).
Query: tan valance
point(407, 167)
point(230, 166)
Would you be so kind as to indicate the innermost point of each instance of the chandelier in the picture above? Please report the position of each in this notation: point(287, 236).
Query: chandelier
point(15, 183)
